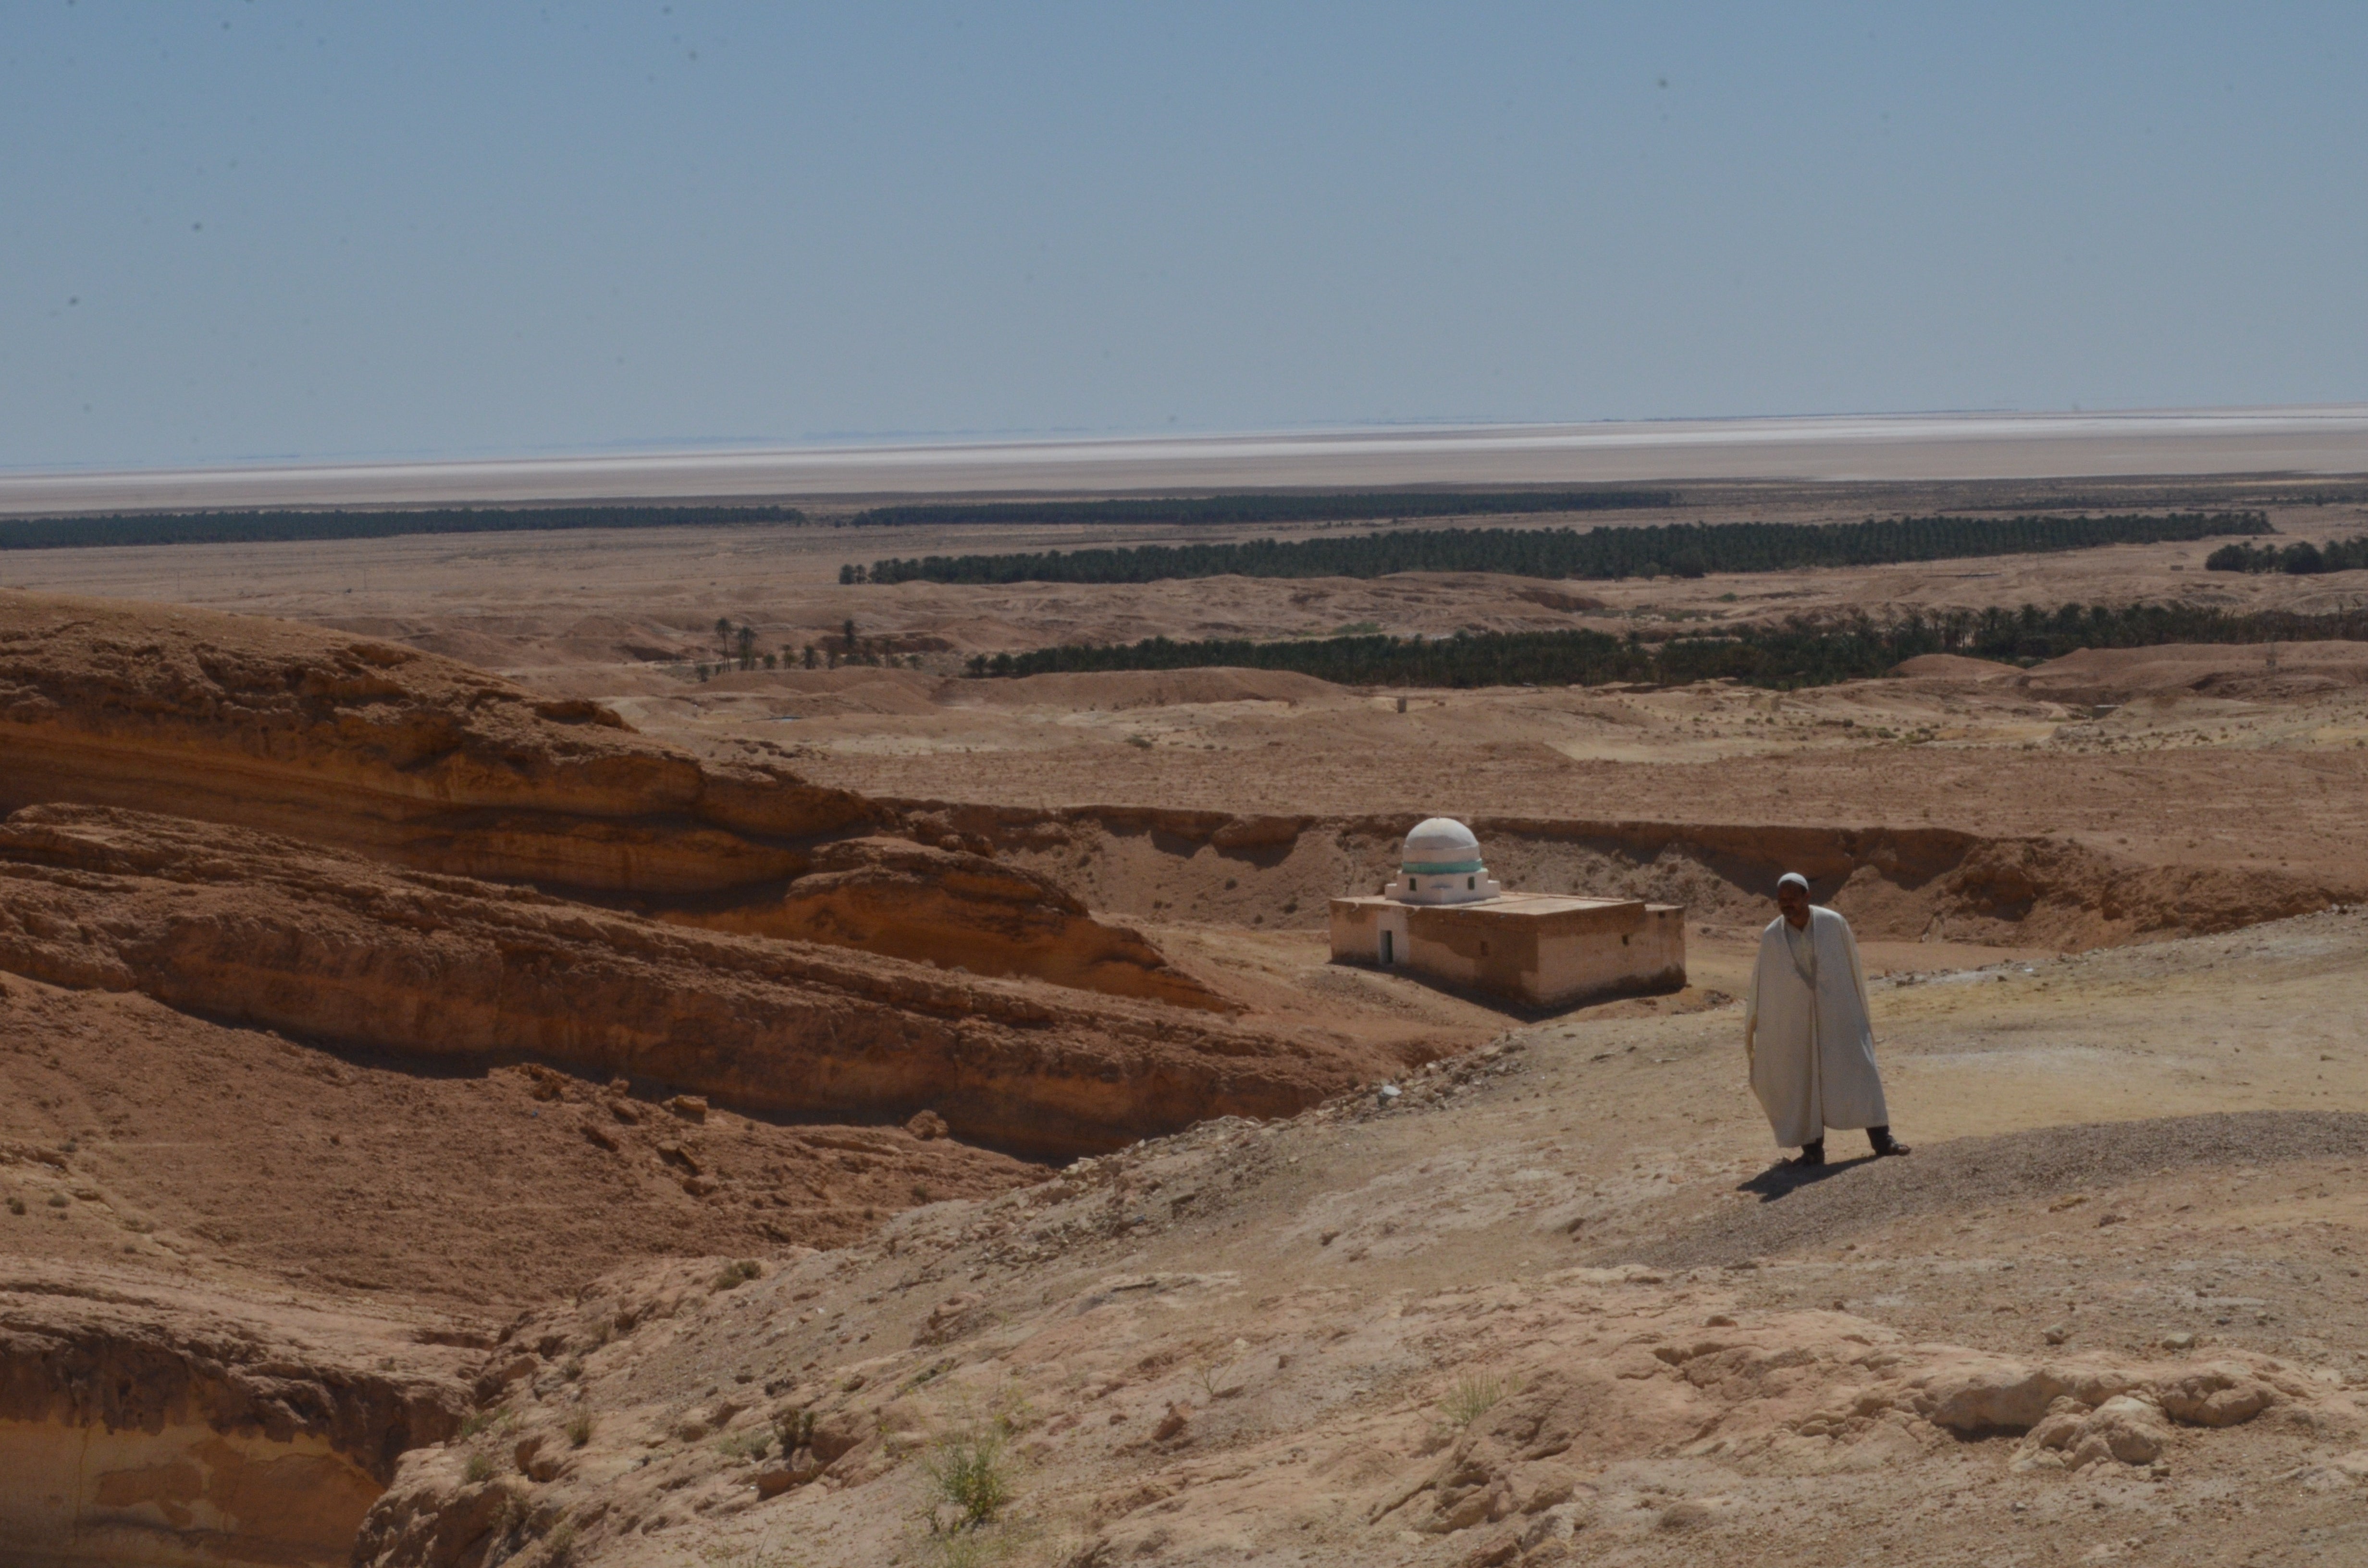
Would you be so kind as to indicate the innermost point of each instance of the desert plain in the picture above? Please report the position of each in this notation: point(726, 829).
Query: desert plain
point(482, 1089)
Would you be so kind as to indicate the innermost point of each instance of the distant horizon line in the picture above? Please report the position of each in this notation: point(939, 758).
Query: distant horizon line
point(1967, 444)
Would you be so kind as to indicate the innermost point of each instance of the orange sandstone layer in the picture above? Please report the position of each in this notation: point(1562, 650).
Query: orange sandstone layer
point(235, 925)
point(430, 764)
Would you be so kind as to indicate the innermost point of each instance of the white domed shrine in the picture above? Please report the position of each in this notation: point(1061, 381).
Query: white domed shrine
point(1444, 917)
point(1441, 863)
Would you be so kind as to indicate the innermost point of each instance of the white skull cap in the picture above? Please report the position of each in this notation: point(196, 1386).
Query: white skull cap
point(1792, 877)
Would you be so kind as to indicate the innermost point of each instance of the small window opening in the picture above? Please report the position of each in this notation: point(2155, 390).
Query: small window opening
point(1471, 884)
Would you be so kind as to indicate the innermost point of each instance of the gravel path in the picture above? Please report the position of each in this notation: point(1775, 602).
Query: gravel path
point(1970, 1173)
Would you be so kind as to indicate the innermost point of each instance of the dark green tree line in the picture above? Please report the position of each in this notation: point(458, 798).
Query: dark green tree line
point(1797, 652)
point(1339, 505)
point(2301, 558)
point(1684, 550)
point(274, 527)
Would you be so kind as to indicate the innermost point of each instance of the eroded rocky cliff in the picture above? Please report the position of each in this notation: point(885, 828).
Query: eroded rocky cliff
point(142, 1424)
point(427, 762)
point(232, 924)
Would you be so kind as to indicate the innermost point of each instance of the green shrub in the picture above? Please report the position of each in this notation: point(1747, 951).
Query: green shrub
point(750, 1445)
point(967, 1471)
point(479, 1468)
point(579, 1428)
point(735, 1275)
point(1474, 1394)
point(796, 1428)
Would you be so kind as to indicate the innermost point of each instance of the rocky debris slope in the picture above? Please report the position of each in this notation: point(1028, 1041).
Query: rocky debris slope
point(1140, 1411)
point(135, 1136)
point(431, 764)
point(1428, 1329)
point(235, 925)
point(146, 1423)
point(1818, 1210)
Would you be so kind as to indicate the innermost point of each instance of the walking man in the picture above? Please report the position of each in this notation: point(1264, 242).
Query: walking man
point(1805, 1031)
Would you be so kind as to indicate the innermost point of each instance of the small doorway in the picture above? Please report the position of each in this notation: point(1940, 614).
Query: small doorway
point(1389, 947)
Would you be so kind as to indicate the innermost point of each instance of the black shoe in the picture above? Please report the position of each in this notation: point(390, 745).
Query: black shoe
point(1884, 1143)
point(1810, 1155)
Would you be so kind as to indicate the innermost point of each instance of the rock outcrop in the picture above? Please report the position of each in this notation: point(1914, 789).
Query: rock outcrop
point(232, 924)
point(958, 910)
point(428, 764)
point(377, 749)
point(142, 1424)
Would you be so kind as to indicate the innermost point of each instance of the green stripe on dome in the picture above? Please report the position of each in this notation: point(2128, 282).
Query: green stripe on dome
point(1438, 867)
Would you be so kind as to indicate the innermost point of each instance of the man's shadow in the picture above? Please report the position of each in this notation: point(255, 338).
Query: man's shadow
point(1782, 1179)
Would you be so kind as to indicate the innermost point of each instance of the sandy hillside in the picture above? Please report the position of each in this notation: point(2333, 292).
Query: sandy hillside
point(478, 1092)
point(1547, 1306)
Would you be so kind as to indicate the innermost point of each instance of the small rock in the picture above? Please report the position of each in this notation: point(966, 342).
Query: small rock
point(2056, 1333)
point(533, 1463)
point(2179, 1342)
point(690, 1107)
point(1493, 1553)
point(926, 1125)
point(2219, 1397)
point(1172, 1425)
point(792, 1470)
point(1538, 1486)
point(949, 1319)
point(1718, 1320)
point(1684, 1516)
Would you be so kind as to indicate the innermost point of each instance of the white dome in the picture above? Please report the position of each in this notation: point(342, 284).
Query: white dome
point(1441, 842)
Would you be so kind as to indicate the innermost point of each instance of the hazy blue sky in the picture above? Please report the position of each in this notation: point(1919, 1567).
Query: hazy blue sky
point(247, 230)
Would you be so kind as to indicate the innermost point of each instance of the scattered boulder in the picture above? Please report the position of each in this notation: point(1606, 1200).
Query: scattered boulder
point(2126, 1430)
point(926, 1125)
point(2217, 1396)
point(950, 1319)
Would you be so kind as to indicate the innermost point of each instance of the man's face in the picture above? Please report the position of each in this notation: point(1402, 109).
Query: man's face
point(1794, 903)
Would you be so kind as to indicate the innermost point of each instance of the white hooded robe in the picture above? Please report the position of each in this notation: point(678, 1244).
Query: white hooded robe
point(1812, 1051)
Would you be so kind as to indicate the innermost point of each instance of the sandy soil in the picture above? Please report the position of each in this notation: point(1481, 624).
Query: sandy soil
point(221, 1155)
point(1284, 1344)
